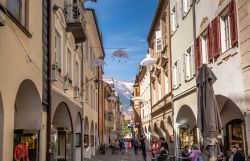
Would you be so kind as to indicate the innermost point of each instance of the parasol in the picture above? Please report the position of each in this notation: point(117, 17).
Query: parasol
point(148, 61)
point(120, 54)
point(208, 119)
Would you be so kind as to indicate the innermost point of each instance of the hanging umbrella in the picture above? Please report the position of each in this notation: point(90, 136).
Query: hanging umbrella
point(120, 54)
point(98, 62)
point(148, 61)
point(208, 121)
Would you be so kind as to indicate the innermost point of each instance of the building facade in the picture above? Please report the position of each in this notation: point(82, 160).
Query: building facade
point(144, 83)
point(183, 73)
point(93, 50)
point(161, 90)
point(22, 116)
point(218, 45)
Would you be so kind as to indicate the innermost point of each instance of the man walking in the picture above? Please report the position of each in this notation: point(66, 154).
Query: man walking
point(143, 147)
point(136, 145)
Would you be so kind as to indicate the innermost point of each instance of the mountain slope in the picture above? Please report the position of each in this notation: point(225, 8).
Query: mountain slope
point(124, 90)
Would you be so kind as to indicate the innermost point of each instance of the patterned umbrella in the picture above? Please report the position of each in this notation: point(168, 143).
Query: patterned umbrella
point(120, 54)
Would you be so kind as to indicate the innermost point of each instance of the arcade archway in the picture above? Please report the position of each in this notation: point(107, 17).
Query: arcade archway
point(233, 124)
point(63, 133)
point(187, 133)
point(27, 121)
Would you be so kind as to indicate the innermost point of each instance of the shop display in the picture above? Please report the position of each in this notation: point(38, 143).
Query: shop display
point(187, 137)
point(235, 135)
point(86, 140)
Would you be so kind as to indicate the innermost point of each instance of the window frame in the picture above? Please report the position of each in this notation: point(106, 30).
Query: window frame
point(224, 46)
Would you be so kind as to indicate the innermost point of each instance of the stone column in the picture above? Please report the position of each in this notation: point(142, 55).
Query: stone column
point(243, 7)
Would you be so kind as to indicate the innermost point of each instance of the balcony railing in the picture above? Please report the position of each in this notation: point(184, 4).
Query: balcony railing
point(75, 21)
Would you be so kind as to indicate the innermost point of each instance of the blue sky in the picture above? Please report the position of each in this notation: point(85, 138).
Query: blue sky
point(124, 24)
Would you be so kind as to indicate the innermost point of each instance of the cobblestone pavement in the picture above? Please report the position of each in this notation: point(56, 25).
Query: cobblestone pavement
point(129, 156)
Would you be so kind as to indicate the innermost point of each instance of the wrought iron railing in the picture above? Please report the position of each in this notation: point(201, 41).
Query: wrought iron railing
point(74, 13)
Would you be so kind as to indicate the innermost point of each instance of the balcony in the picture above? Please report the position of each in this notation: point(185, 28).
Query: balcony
point(75, 21)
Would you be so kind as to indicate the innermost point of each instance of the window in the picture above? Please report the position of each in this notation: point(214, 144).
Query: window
point(189, 64)
point(186, 4)
point(204, 48)
point(18, 9)
point(77, 74)
point(158, 37)
point(69, 64)
point(176, 74)
point(58, 49)
point(225, 32)
point(87, 90)
point(174, 19)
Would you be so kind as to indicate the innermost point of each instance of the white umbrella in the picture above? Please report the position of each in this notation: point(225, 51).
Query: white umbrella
point(148, 61)
point(98, 62)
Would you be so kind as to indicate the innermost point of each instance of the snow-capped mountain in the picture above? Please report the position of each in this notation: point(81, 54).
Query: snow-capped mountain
point(124, 90)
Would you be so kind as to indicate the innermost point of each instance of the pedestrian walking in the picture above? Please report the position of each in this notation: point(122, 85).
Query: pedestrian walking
point(196, 154)
point(236, 156)
point(136, 146)
point(113, 147)
point(143, 148)
point(126, 145)
point(164, 144)
point(185, 153)
point(117, 146)
point(163, 155)
point(154, 148)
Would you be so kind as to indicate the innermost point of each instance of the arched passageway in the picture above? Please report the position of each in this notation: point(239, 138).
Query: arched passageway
point(62, 133)
point(187, 133)
point(27, 120)
point(87, 149)
point(233, 124)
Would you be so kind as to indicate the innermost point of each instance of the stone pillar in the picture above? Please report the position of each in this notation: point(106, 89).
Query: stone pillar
point(243, 7)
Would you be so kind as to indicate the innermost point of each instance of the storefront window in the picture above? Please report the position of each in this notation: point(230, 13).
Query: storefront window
point(25, 145)
point(234, 133)
point(187, 137)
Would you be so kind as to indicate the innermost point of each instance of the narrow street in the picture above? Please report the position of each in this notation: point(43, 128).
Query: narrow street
point(129, 156)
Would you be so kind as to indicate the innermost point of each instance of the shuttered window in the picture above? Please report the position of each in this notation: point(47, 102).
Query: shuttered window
point(58, 49)
point(69, 64)
point(18, 9)
point(176, 74)
point(225, 31)
point(216, 38)
point(187, 59)
point(233, 23)
point(159, 45)
point(186, 5)
point(174, 19)
point(198, 52)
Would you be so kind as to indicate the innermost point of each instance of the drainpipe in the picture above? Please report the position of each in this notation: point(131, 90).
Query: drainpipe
point(49, 152)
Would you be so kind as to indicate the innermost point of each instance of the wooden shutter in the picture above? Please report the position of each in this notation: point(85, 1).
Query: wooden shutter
point(210, 44)
point(184, 7)
point(158, 37)
point(233, 23)
point(184, 66)
point(193, 71)
point(216, 38)
point(198, 52)
point(163, 32)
